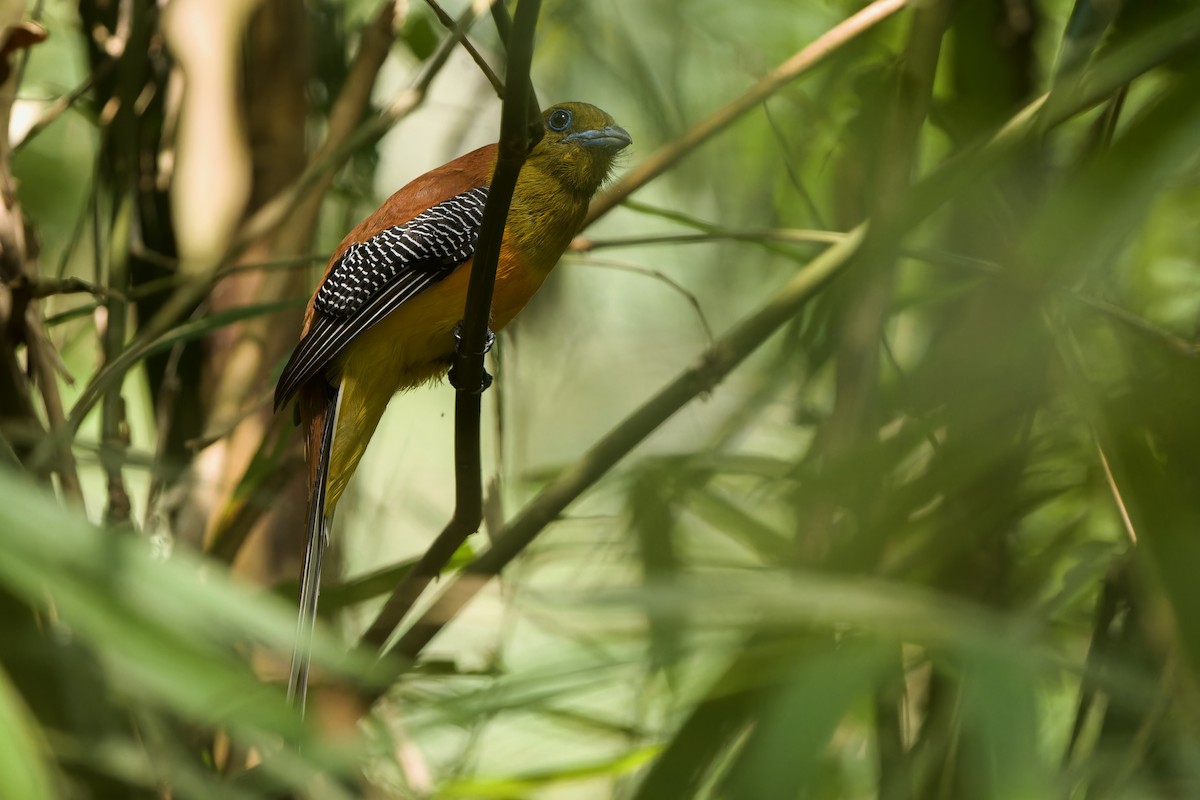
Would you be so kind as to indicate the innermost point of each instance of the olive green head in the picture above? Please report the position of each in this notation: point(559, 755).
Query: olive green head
point(579, 145)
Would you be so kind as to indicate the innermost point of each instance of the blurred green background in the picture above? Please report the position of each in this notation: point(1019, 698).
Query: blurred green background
point(936, 537)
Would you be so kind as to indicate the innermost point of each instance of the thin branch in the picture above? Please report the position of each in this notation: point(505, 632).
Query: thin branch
point(814, 54)
point(1137, 324)
point(714, 233)
point(165, 406)
point(1113, 596)
point(793, 176)
point(689, 221)
point(504, 27)
point(208, 438)
point(468, 362)
point(46, 287)
point(1116, 493)
point(46, 364)
point(476, 56)
point(934, 256)
point(273, 264)
point(114, 427)
point(657, 275)
point(583, 244)
point(59, 106)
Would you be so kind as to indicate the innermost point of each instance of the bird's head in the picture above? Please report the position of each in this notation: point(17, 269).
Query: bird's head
point(579, 144)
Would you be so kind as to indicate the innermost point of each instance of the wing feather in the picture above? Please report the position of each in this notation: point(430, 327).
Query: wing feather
point(374, 278)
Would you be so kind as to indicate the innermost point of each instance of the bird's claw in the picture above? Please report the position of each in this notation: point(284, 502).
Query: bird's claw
point(486, 380)
point(488, 340)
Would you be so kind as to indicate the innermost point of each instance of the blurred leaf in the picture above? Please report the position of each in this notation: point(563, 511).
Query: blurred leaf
point(1154, 433)
point(1089, 21)
point(419, 34)
point(523, 784)
point(781, 756)
point(208, 323)
point(164, 631)
point(1100, 220)
point(1001, 736)
point(652, 509)
point(23, 772)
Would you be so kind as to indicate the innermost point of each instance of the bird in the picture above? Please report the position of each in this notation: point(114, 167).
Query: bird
point(385, 315)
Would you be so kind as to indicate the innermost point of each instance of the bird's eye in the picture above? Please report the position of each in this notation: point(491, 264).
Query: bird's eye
point(560, 119)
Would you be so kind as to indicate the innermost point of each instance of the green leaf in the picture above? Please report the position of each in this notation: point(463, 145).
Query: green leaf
point(23, 769)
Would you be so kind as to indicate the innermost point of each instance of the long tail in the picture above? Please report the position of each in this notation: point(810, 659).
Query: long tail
point(314, 553)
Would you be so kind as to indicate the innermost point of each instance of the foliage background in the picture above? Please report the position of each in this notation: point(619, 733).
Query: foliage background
point(935, 538)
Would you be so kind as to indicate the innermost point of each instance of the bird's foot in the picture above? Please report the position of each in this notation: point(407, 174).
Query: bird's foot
point(489, 339)
point(486, 380)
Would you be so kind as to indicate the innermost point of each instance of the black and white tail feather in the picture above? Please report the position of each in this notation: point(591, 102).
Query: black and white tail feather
point(316, 541)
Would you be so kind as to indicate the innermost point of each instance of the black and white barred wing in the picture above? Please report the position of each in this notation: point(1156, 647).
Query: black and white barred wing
point(375, 277)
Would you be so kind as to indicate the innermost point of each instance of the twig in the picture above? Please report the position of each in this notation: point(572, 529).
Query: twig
point(1137, 324)
point(476, 56)
point(45, 364)
point(273, 264)
point(664, 278)
point(1116, 493)
point(713, 233)
point(803, 61)
point(1113, 596)
point(114, 433)
point(8, 456)
point(504, 26)
point(208, 438)
point(793, 176)
point(62, 104)
point(468, 363)
point(583, 244)
point(266, 265)
point(46, 287)
point(766, 241)
point(165, 406)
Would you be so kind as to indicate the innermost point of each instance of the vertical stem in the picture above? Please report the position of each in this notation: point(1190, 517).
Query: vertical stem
point(515, 143)
point(114, 437)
